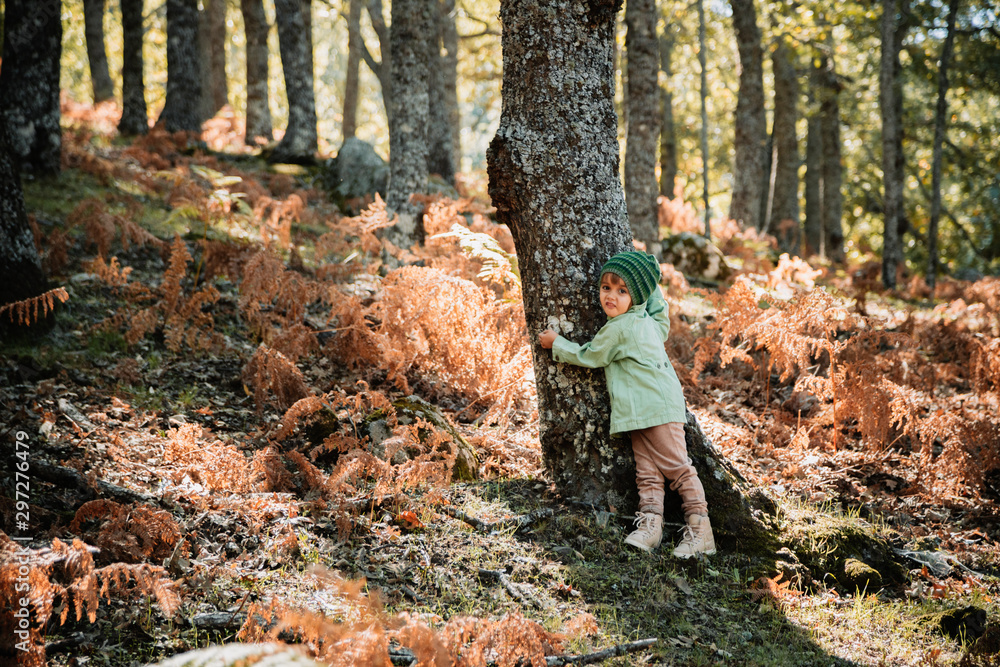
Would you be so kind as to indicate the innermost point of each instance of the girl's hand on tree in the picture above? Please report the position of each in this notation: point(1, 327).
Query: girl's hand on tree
point(547, 338)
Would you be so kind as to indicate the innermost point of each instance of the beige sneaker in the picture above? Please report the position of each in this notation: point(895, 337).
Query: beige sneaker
point(648, 531)
point(698, 538)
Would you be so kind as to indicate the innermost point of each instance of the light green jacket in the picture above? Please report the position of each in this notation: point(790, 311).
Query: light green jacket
point(644, 388)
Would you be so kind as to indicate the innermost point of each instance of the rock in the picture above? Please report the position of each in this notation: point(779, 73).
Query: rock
point(696, 257)
point(355, 172)
point(411, 408)
point(964, 623)
point(859, 576)
point(826, 543)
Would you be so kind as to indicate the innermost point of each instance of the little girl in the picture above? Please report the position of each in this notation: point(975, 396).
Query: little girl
point(646, 397)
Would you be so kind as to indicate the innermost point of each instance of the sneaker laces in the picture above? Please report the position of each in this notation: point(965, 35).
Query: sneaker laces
point(687, 534)
point(643, 521)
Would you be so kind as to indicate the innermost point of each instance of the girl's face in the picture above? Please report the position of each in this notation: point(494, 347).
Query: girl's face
point(615, 299)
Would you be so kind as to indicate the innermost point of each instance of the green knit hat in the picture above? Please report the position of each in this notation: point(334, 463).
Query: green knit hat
point(639, 270)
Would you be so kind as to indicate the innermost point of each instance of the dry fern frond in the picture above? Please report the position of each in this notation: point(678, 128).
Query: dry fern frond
point(215, 464)
point(26, 311)
point(131, 534)
point(274, 378)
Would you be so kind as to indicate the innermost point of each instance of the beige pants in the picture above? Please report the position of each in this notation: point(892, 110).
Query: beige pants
point(660, 452)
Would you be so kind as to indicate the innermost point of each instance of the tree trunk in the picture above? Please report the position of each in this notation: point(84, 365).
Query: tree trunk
point(29, 84)
point(259, 129)
point(553, 178)
point(940, 123)
point(440, 155)
point(449, 64)
point(751, 123)
point(135, 118)
point(97, 56)
point(21, 274)
point(294, 19)
point(212, 44)
point(833, 198)
point(668, 135)
point(784, 221)
point(412, 21)
point(642, 99)
point(349, 126)
point(890, 90)
point(703, 93)
point(383, 69)
point(813, 185)
point(182, 109)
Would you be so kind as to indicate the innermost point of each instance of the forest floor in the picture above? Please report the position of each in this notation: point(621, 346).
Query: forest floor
point(222, 444)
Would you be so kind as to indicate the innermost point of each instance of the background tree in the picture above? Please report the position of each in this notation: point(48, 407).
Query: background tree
point(351, 80)
point(294, 18)
point(97, 55)
point(940, 127)
point(29, 84)
point(258, 109)
point(135, 119)
point(784, 218)
point(832, 170)
point(668, 134)
point(642, 100)
point(890, 104)
point(212, 44)
point(182, 109)
point(813, 180)
point(21, 274)
point(703, 95)
point(412, 21)
point(442, 97)
point(381, 68)
point(749, 145)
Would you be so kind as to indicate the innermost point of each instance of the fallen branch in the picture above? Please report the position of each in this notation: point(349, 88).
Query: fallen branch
point(63, 476)
point(515, 592)
point(517, 523)
point(599, 656)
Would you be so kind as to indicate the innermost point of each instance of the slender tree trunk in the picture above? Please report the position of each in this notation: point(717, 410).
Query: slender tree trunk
point(668, 134)
point(383, 69)
point(294, 19)
point(751, 123)
point(182, 109)
point(349, 126)
point(554, 181)
point(784, 220)
point(813, 185)
point(21, 274)
point(97, 55)
point(212, 42)
point(259, 129)
point(135, 118)
point(412, 21)
point(449, 65)
point(833, 198)
point(29, 84)
point(940, 127)
point(703, 92)
point(439, 149)
point(890, 92)
point(642, 99)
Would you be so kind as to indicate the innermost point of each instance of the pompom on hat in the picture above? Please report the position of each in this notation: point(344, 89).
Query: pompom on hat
point(639, 270)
